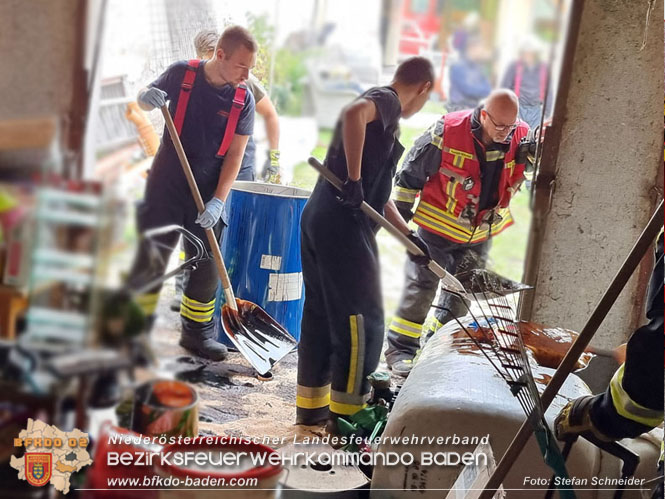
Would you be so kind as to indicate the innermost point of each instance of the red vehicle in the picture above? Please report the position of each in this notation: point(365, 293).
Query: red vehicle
point(421, 22)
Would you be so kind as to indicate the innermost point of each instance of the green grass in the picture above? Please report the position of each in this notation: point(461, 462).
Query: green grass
point(508, 249)
point(434, 107)
point(304, 176)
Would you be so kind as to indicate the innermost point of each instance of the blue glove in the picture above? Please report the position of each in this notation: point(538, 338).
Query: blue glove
point(211, 214)
point(153, 97)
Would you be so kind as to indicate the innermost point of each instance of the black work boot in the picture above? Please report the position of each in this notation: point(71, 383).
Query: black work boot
point(203, 344)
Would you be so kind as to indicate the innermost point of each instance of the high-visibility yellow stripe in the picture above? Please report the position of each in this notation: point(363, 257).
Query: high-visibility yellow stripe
point(405, 195)
point(494, 155)
point(404, 332)
point(441, 221)
point(197, 305)
point(312, 402)
point(345, 409)
point(463, 236)
point(404, 322)
point(147, 302)
point(425, 221)
point(627, 407)
point(181, 256)
point(313, 391)
point(450, 191)
point(148, 298)
point(446, 223)
point(353, 360)
point(406, 328)
point(194, 316)
point(437, 140)
point(457, 152)
point(209, 310)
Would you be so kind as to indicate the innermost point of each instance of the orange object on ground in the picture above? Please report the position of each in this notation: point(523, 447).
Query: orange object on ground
point(172, 393)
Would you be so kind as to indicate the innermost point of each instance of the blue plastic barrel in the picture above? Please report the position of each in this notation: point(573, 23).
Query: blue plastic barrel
point(261, 250)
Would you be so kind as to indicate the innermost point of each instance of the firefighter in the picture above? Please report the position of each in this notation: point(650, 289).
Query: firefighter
point(633, 402)
point(214, 115)
point(342, 324)
point(465, 168)
point(204, 42)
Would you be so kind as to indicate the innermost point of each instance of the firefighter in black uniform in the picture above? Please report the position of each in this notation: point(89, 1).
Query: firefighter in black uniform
point(633, 403)
point(342, 324)
point(202, 97)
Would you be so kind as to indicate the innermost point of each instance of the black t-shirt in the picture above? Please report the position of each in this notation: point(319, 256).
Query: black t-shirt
point(205, 121)
point(378, 161)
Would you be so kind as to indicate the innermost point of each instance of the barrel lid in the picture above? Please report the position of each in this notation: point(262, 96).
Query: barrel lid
point(284, 191)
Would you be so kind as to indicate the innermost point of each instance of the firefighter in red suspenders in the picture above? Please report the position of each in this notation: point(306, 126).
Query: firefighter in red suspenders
point(527, 77)
point(465, 168)
point(633, 403)
point(205, 42)
point(214, 116)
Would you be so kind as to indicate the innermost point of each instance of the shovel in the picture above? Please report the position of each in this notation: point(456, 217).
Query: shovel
point(256, 335)
point(448, 281)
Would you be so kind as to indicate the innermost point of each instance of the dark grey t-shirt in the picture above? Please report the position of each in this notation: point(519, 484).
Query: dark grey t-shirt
point(206, 117)
point(378, 163)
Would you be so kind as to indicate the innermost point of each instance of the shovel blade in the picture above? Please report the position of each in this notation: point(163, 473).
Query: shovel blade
point(256, 335)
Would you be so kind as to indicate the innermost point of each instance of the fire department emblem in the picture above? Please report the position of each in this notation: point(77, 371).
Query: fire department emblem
point(38, 468)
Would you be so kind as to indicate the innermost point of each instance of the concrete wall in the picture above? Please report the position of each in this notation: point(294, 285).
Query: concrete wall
point(609, 158)
point(37, 50)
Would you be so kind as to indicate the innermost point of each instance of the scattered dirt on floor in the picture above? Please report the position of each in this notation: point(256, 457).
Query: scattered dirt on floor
point(232, 400)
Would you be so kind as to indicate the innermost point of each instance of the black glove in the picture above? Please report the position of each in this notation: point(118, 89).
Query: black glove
point(352, 195)
point(575, 420)
point(526, 150)
point(422, 260)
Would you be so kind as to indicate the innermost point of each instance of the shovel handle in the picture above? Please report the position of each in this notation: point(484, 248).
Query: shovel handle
point(448, 279)
point(200, 206)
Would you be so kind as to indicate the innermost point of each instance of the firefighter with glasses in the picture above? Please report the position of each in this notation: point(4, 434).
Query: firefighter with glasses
point(465, 168)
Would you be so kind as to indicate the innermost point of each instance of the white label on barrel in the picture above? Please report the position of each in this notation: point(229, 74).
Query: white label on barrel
point(285, 287)
point(271, 262)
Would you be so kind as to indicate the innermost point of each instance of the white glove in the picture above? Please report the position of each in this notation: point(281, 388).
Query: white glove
point(211, 214)
point(153, 97)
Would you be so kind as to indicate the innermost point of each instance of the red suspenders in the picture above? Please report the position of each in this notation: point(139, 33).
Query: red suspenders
point(185, 92)
point(183, 101)
point(232, 123)
point(543, 81)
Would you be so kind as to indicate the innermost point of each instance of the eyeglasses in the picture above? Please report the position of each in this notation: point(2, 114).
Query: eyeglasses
point(500, 128)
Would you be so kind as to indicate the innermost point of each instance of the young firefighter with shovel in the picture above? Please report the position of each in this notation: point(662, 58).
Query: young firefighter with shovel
point(342, 324)
point(214, 117)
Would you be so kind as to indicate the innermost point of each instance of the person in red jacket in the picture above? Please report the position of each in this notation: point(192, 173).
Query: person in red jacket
point(465, 169)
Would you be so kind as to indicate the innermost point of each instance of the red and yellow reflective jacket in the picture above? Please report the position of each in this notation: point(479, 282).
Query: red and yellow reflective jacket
point(449, 204)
